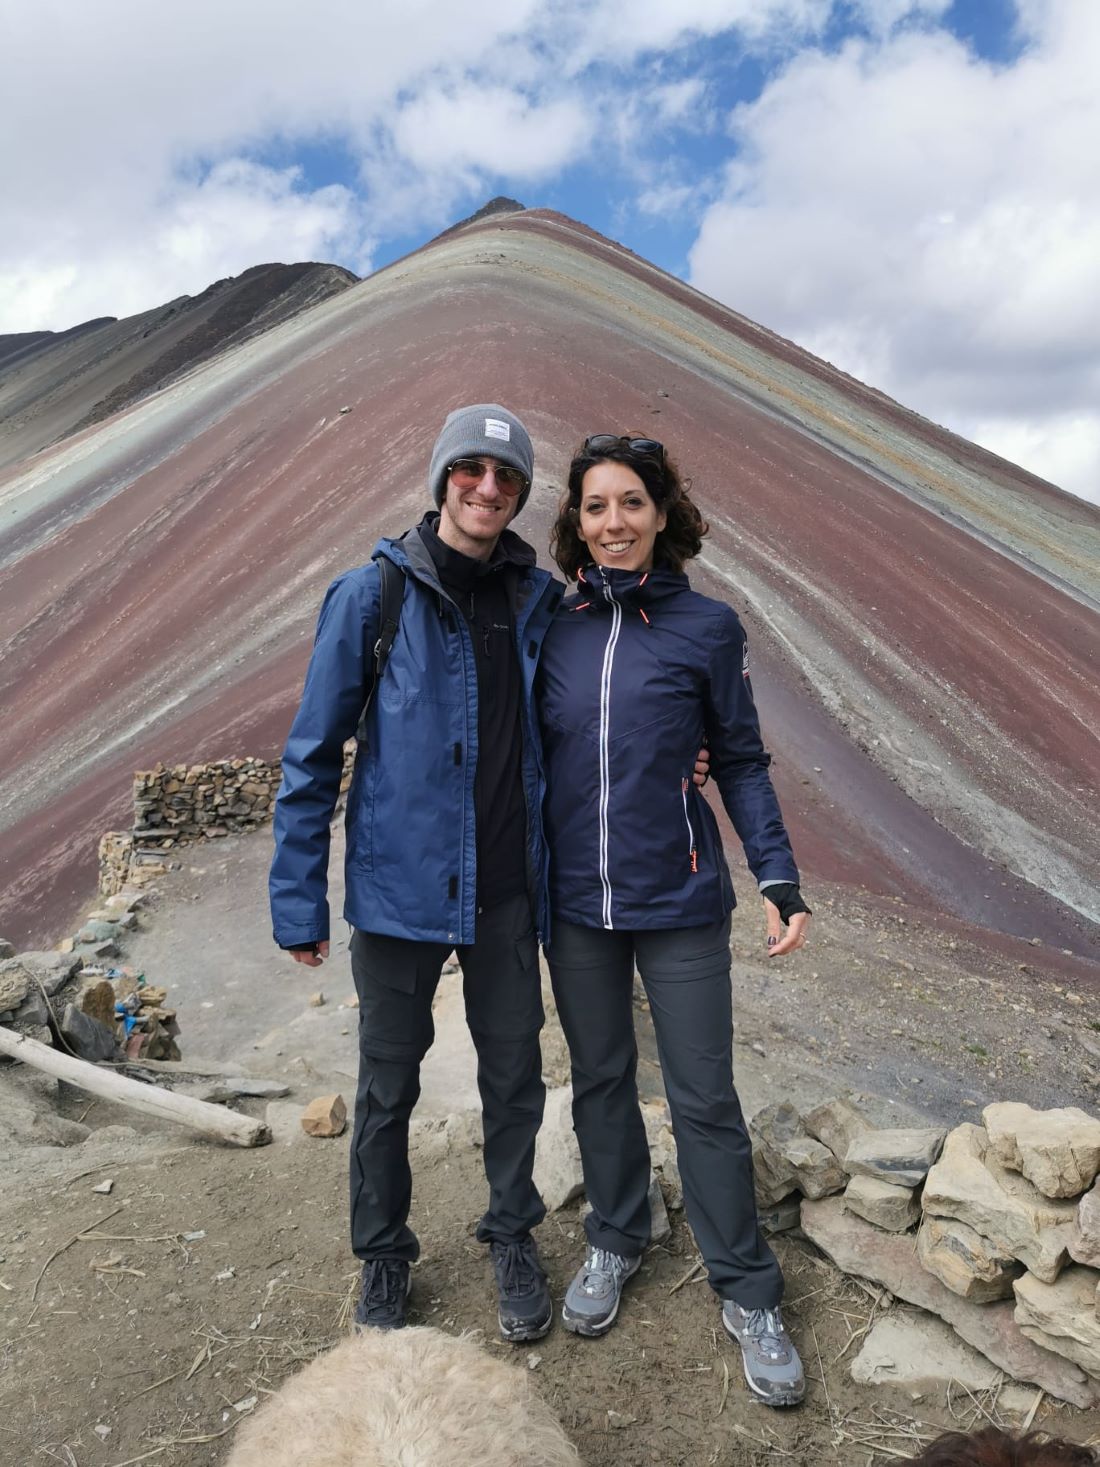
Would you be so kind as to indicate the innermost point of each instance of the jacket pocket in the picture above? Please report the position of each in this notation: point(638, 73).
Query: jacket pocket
point(692, 849)
point(360, 816)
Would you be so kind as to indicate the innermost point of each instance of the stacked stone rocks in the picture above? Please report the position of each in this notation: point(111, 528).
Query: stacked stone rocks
point(79, 1001)
point(1012, 1209)
point(48, 997)
point(1005, 1211)
point(185, 803)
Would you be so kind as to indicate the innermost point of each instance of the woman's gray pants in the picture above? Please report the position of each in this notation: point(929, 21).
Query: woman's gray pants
point(686, 973)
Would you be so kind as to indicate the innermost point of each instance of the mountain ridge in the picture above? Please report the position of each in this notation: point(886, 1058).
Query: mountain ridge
point(921, 612)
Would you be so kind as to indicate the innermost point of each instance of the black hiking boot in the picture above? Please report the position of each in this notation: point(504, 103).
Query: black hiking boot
point(526, 1310)
point(383, 1294)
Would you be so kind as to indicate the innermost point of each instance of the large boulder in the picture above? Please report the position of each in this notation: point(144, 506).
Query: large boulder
point(1062, 1316)
point(786, 1158)
point(894, 1208)
point(901, 1157)
point(86, 1037)
point(662, 1150)
point(922, 1353)
point(1084, 1243)
point(32, 970)
point(890, 1259)
point(965, 1262)
point(968, 1184)
point(1058, 1151)
point(15, 984)
point(836, 1123)
point(558, 1174)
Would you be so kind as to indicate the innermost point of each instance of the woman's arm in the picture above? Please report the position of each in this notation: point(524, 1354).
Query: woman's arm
point(740, 769)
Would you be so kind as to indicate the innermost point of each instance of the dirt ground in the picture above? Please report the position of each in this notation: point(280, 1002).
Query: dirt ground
point(162, 1312)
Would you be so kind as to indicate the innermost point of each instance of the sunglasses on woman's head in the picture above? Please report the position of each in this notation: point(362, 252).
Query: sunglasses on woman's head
point(604, 442)
point(466, 472)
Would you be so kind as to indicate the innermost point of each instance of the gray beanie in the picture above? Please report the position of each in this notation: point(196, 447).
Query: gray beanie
point(484, 430)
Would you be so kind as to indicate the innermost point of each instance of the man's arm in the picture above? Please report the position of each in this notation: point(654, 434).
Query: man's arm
point(332, 701)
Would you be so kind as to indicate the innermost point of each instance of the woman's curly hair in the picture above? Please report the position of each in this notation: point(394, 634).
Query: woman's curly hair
point(682, 536)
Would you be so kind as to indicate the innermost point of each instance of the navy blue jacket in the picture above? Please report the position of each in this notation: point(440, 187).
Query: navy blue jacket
point(410, 868)
point(636, 668)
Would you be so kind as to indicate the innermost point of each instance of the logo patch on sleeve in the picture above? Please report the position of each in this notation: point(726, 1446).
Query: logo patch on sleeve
point(494, 428)
point(745, 661)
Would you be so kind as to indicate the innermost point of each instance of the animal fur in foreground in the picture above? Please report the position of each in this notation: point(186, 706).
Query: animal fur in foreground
point(405, 1398)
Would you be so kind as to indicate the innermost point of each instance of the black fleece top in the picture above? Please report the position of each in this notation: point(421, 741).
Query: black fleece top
point(484, 592)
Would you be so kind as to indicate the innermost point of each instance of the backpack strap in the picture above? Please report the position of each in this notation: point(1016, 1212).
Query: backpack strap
point(391, 597)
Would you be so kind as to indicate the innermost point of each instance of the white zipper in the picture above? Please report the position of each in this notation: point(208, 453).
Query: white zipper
point(605, 732)
point(693, 855)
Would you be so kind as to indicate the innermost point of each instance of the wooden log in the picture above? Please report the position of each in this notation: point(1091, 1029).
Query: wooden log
point(209, 1120)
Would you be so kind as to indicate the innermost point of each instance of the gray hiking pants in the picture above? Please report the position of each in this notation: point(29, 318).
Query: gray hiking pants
point(396, 981)
point(686, 973)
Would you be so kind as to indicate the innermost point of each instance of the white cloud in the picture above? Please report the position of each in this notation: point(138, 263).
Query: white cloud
point(928, 221)
point(119, 124)
point(236, 215)
point(667, 198)
point(931, 223)
point(497, 130)
point(1067, 445)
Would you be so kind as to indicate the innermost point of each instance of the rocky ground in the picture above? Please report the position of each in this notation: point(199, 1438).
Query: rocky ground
point(141, 1323)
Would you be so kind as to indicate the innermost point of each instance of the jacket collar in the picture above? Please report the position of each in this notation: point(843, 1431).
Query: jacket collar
point(602, 586)
point(411, 554)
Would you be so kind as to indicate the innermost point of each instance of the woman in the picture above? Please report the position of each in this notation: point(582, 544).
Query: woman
point(636, 670)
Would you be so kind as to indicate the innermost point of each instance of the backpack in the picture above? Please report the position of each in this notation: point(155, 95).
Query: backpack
point(391, 597)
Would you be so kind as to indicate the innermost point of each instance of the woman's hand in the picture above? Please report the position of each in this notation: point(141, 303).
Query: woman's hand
point(795, 937)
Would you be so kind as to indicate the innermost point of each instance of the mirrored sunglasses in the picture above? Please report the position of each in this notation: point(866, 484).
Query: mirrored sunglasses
point(605, 442)
point(466, 472)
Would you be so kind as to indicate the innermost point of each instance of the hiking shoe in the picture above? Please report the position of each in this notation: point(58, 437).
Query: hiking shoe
point(383, 1294)
point(525, 1309)
point(592, 1299)
point(772, 1367)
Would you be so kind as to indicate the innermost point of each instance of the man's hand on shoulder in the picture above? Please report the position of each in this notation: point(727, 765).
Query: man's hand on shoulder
point(312, 954)
point(702, 767)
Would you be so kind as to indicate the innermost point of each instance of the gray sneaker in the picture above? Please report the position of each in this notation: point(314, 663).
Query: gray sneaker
point(592, 1299)
point(772, 1367)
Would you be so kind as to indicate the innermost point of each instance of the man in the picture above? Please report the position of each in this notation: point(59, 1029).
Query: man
point(444, 847)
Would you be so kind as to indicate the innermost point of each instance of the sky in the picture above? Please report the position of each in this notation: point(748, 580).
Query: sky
point(908, 188)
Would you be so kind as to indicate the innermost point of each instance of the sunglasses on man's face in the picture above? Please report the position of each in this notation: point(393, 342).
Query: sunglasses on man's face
point(466, 472)
point(606, 442)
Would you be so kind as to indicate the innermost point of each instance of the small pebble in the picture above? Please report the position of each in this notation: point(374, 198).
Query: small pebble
point(104, 1187)
point(102, 1431)
point(317, 1000)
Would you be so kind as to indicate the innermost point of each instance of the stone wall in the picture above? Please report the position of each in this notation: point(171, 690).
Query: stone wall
point(995, 1228)
point(183, 804)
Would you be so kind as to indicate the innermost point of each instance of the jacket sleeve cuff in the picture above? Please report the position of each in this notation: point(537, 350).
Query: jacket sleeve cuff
point(288, 937)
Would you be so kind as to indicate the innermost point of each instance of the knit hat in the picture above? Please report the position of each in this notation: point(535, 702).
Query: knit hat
point(484, 430)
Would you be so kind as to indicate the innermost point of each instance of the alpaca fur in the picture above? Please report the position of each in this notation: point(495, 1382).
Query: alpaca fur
point(404, 1398)
point(993, 1448)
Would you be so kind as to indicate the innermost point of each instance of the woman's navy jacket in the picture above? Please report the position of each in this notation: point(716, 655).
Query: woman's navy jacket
point(636, 669)
point(410, 868)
